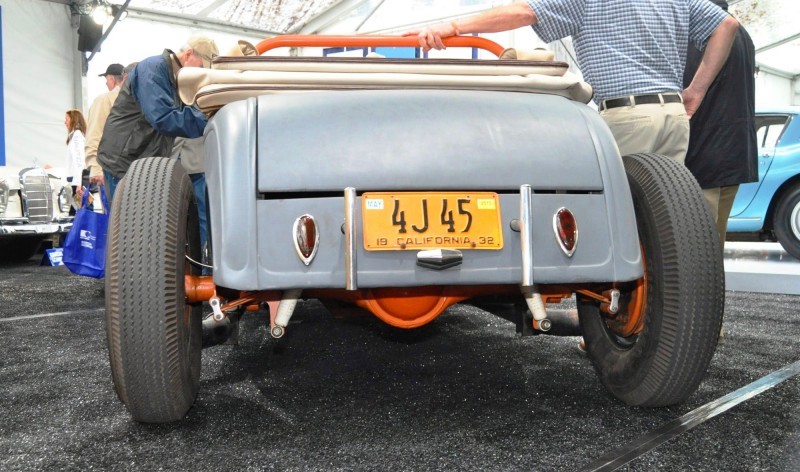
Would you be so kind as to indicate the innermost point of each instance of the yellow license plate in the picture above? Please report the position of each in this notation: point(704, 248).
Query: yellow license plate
point(431, 220)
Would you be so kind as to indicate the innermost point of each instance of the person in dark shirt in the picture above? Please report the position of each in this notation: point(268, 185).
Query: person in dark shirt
point(722, 144)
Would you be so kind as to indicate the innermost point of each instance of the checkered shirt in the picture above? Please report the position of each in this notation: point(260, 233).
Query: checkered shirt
point(629, 47)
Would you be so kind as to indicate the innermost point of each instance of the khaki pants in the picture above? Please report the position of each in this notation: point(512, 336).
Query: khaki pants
point(661, 129)
point(720, 200)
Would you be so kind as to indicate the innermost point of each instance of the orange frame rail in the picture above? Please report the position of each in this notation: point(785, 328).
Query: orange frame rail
point(355, 41)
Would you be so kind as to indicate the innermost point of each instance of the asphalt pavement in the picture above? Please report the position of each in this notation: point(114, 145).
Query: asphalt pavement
point(350, 393)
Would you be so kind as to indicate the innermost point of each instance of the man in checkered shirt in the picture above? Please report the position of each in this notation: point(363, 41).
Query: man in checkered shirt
point(632, 53)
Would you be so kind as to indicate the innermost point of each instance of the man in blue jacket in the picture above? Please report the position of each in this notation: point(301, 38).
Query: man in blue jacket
point(148, 114)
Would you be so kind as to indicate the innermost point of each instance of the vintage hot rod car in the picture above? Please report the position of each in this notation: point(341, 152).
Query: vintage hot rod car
point(404, 186)
point(34, 206)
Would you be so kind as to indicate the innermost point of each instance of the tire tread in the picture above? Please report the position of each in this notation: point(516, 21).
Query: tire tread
point(145, 299)
point(672, 354)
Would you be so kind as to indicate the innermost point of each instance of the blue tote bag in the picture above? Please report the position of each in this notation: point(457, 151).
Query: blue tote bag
point(85, 246)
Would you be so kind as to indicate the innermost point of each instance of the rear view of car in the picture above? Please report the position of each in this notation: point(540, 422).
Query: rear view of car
point(404, 187)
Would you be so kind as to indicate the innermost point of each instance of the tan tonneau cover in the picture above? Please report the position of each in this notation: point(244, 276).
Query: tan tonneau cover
point(237, 78)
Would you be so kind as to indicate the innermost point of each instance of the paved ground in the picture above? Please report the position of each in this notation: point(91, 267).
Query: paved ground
point(463, 393)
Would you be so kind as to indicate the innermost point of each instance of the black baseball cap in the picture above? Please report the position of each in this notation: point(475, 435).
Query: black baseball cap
point(113, 69)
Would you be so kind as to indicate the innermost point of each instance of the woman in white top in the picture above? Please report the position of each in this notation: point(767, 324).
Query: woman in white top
point(76, 143)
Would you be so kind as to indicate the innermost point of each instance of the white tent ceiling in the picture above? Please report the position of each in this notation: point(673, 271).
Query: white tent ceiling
point(775, 29)
point(772, 24)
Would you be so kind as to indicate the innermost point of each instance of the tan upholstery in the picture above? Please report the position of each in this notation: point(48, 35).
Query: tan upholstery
point(233, 79)
point(527, 54)
point(242, 48)
point(405, 66)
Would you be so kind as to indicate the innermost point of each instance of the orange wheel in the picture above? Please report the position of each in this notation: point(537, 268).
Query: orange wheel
point(630, 319)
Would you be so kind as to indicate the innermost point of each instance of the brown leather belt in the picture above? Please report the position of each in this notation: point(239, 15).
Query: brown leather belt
point(648, 99)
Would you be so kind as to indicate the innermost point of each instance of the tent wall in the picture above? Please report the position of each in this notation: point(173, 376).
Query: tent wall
point(773, 90)
point(41, 71)
point(795, 92)
point(40, 63)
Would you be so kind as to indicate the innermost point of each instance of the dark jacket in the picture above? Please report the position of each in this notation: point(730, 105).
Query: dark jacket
point(146, 117)
point(722, 144)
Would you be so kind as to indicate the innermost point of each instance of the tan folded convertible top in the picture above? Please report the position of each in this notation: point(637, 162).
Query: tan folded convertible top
point(236, 78)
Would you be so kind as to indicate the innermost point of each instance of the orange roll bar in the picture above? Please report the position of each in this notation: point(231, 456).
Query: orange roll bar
point(357, 41)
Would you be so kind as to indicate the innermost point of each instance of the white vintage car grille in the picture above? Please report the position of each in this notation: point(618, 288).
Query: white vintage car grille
point(37, 199)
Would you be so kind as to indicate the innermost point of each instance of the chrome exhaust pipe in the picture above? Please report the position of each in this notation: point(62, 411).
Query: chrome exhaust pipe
point(564, 322)
point(284, 313)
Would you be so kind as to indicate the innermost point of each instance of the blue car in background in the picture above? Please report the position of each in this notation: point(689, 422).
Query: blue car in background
point(771, 206)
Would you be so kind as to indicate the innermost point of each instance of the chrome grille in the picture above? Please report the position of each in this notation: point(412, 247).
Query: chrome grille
point(37, 197)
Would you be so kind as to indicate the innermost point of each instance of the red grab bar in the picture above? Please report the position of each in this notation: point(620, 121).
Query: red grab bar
point(320, 40)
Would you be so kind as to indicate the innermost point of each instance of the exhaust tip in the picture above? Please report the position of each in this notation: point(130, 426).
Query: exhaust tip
point(277, 332)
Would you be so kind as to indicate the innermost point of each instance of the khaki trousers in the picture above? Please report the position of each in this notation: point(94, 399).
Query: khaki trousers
point(720, 200)
point(657, 128)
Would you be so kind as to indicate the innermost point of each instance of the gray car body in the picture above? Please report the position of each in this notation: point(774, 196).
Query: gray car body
point(275, 157)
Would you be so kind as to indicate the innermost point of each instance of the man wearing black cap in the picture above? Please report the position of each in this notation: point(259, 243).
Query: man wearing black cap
point(722, 142)
point(96, 119)
point(113, 75)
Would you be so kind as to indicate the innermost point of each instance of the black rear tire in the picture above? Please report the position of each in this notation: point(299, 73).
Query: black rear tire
point(154, 337)
point(666, 361)
point(787, 221)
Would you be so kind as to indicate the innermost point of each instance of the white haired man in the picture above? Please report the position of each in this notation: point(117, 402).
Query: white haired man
point(148, 114)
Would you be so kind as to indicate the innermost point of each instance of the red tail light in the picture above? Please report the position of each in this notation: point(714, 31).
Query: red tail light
point(306, 238)
point(566, 229)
